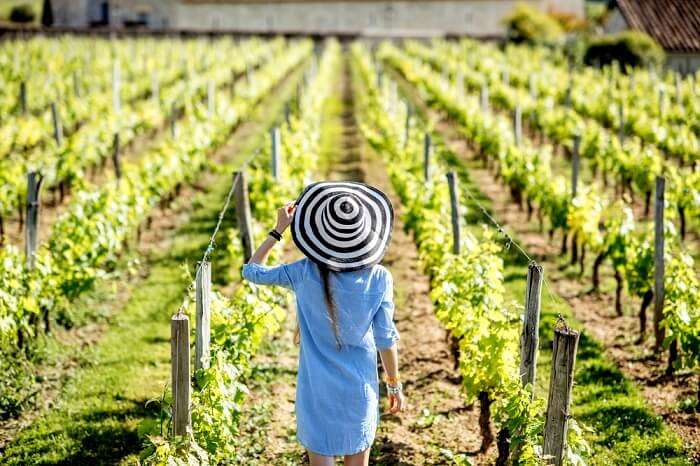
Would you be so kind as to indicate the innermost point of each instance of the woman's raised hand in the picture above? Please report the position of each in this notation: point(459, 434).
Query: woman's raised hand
point(284, 216)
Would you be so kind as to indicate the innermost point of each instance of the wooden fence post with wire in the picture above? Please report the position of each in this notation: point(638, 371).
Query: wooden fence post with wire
point(180, 371)
point(454, 203)
point(57, 126)
point(34, 180)
point(245, 226)
point(659, 264)
point(560, 384)
point(275, 151)
point(203, 316)
point(116, 156)
point(427, 148)
point(529, 345)
point(23, 97)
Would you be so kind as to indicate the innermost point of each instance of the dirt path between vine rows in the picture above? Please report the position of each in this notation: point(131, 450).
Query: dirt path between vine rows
point(103, 426)
point(595, 310)
point(437, 424)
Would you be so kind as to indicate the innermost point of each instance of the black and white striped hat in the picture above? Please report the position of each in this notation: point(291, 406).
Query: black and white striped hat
point(343, 225)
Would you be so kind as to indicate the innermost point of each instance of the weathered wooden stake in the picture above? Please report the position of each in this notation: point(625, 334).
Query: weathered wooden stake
point(454, 203)
point(560, 383)
point(202, 300)
point(427, 149)
point(245, 227)
point(662, 102)
point(116, 88)
point(275, 151)
point(57, 126)
point(116, 156)
point(180, 369)
point(287, 114)
point(532, 85)
point(407, 127)
point(529, 339)
point(211, 103)
point(518, 124)
point(155, 89)
point(173, 122)
point(23, 96)
point(621, 134)
point(76, 84)
point(485, 97)
point(575, 165)
point(659, 264)
point(31, 232)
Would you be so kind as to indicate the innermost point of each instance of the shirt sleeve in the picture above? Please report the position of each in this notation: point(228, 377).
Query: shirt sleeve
point(383, 327)
point(285, 275)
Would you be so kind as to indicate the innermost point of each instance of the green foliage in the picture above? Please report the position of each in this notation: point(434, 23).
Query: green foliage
point(239, 323)
point(529, 25)
point(628, 48)
point(626, 431)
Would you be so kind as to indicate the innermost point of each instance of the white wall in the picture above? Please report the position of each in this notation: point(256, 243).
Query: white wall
point(476, 17)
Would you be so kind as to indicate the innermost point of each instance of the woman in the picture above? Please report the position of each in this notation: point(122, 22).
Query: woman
point(344, 310)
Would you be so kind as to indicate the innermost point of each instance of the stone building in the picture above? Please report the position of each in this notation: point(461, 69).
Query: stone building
point(675, 24)
point(481, 18)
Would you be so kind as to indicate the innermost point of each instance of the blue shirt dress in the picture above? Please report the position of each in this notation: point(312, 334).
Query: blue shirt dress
point(337, 390)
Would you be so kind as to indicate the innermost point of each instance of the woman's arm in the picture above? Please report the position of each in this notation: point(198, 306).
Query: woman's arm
point(284, 219)
point(390, 361)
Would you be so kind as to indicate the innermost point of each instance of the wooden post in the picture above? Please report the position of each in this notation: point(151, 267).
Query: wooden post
point(76, 84)
point(505, 76)
point(454, 203)
point(275, 151)
point(116, 156)
point(485, 97)
point(57, 126)
point(23, 96)
point(662, 102)
point(560, 383)
point(621, 135)
point(575, 165)
point(659, 264)
point(407, 127)
point(460, 83)
point(245, 227)
point(180, 369)
point(518, 124)
point(427, 146)
point(530, 337)
point(173, 122)
point(211, 104)
point(116, 88)
point(203, 300)
point(31, 233)
point(155, 89)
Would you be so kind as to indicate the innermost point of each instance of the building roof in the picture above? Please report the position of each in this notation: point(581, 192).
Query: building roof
point(675, 24)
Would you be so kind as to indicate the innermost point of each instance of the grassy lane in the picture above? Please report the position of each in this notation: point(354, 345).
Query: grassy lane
point(625, 430)
point(101, 414)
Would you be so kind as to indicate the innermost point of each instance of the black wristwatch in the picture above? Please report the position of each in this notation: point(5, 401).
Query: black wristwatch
point(276, 234)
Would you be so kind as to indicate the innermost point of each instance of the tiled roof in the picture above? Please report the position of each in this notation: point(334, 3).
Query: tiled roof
point(675, 24)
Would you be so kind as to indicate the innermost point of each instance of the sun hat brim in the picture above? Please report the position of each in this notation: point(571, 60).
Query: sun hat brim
point(343, 240)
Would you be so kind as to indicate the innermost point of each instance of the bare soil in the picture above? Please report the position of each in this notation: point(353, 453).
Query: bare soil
point(595, 310)
point(437, 423)
point(154, 236)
